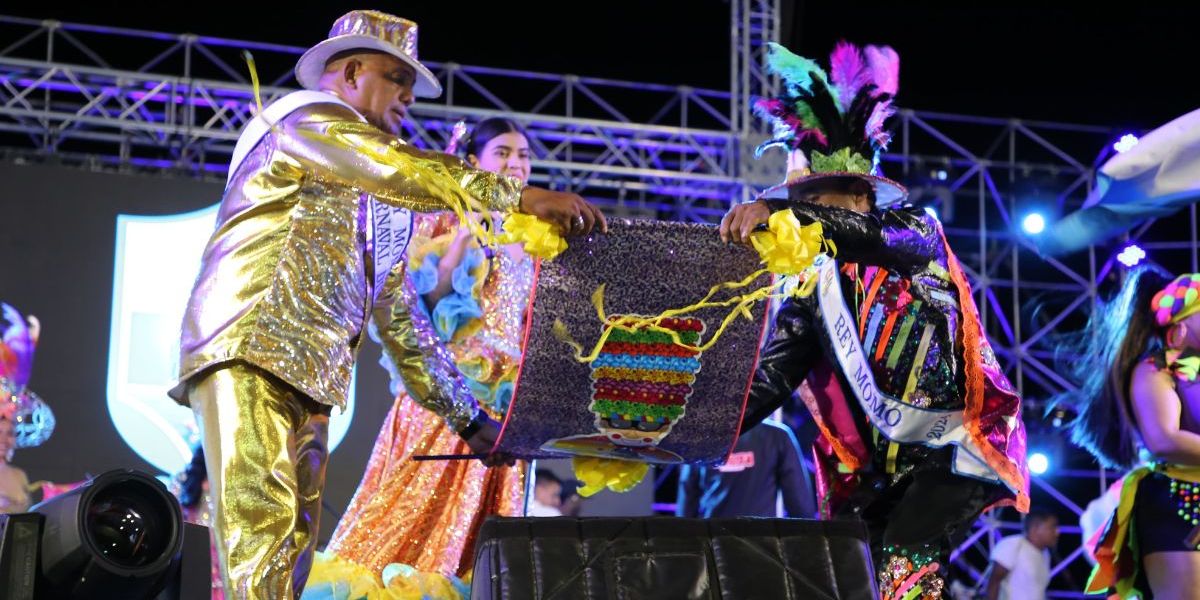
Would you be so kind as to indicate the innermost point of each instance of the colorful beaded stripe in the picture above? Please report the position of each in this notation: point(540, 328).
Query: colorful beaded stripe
point(642, 376)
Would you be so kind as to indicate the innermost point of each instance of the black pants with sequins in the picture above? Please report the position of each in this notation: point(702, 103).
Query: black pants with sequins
point(930, 510)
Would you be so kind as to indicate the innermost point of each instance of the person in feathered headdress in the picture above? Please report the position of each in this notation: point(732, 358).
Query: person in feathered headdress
point(920, 429)
point(25, 421)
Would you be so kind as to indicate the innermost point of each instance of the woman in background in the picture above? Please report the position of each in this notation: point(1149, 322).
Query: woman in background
point(1136, 365)
point(415, 522)
point(25, 421)
point(14, 485)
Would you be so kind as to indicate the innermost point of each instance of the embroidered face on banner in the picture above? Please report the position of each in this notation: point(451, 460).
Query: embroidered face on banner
point(598, 380)
point(641, 383)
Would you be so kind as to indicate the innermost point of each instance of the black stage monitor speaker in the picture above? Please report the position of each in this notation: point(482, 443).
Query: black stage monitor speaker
point(656, 558)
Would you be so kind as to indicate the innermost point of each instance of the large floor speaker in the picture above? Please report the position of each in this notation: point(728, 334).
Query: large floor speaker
point(667, 558)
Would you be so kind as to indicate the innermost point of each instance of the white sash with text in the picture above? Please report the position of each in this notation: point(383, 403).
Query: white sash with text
point(896, 420)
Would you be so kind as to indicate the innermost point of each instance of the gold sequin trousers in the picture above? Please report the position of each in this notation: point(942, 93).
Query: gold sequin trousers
point(423, 514)
point(265, 449)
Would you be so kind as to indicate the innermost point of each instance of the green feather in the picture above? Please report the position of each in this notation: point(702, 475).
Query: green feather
point(806, 115)
point(795, 70)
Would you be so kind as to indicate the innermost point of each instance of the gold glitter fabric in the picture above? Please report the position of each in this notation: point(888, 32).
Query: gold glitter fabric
point(286, 281)
point(427, 514)
point(265, 450)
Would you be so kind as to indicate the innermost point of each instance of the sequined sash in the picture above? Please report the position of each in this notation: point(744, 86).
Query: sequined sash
point(896, 420)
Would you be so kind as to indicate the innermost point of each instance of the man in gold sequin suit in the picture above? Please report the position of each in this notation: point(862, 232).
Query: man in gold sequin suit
point(308, 252)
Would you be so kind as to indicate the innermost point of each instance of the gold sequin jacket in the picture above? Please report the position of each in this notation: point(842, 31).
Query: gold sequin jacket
point(308, 249)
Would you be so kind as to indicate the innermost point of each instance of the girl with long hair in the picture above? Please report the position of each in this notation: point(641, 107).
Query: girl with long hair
point(1136, 365)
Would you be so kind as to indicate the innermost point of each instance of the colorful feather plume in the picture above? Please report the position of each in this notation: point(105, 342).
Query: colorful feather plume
point(847, 108)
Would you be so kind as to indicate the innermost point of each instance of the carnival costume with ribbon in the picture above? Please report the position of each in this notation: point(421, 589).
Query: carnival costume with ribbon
point(308, 252)
point(920, 429)
point(1159, 510)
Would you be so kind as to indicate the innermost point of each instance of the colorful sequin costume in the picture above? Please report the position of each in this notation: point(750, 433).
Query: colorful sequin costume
point(308, 250)
point(920, 429)
point(426, 514)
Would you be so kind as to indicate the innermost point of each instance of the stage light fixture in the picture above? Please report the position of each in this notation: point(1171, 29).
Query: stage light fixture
point(1039, 463)
point(1131, 255)
point(120, 535)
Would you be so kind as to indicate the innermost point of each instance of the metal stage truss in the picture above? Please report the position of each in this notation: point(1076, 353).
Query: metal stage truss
point(175, 102)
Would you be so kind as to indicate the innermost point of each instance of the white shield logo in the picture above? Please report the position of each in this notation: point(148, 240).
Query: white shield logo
point(157, 260)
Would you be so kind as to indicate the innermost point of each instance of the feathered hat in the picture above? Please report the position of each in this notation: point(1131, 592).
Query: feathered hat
point(833, 125)
point(31, 418)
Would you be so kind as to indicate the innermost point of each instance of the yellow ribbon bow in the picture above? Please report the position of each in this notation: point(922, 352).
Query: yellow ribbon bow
point(787, 247)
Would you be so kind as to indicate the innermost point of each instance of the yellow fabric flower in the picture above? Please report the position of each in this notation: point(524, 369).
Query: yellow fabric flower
point(536, 236)
point(600, 473)
point(334, 577)
point(788, 248)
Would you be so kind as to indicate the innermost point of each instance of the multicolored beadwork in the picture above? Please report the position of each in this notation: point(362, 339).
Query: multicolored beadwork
point(552, 414)
point(901, 564)
point(641, 381)
point(1187, 498)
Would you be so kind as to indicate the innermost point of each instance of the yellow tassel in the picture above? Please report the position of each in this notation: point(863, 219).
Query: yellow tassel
point(249, 58)
point(598, 302)
point(560, 331)
point(741, 308)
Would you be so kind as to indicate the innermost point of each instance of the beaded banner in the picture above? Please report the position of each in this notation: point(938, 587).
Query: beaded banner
point(644, 397)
